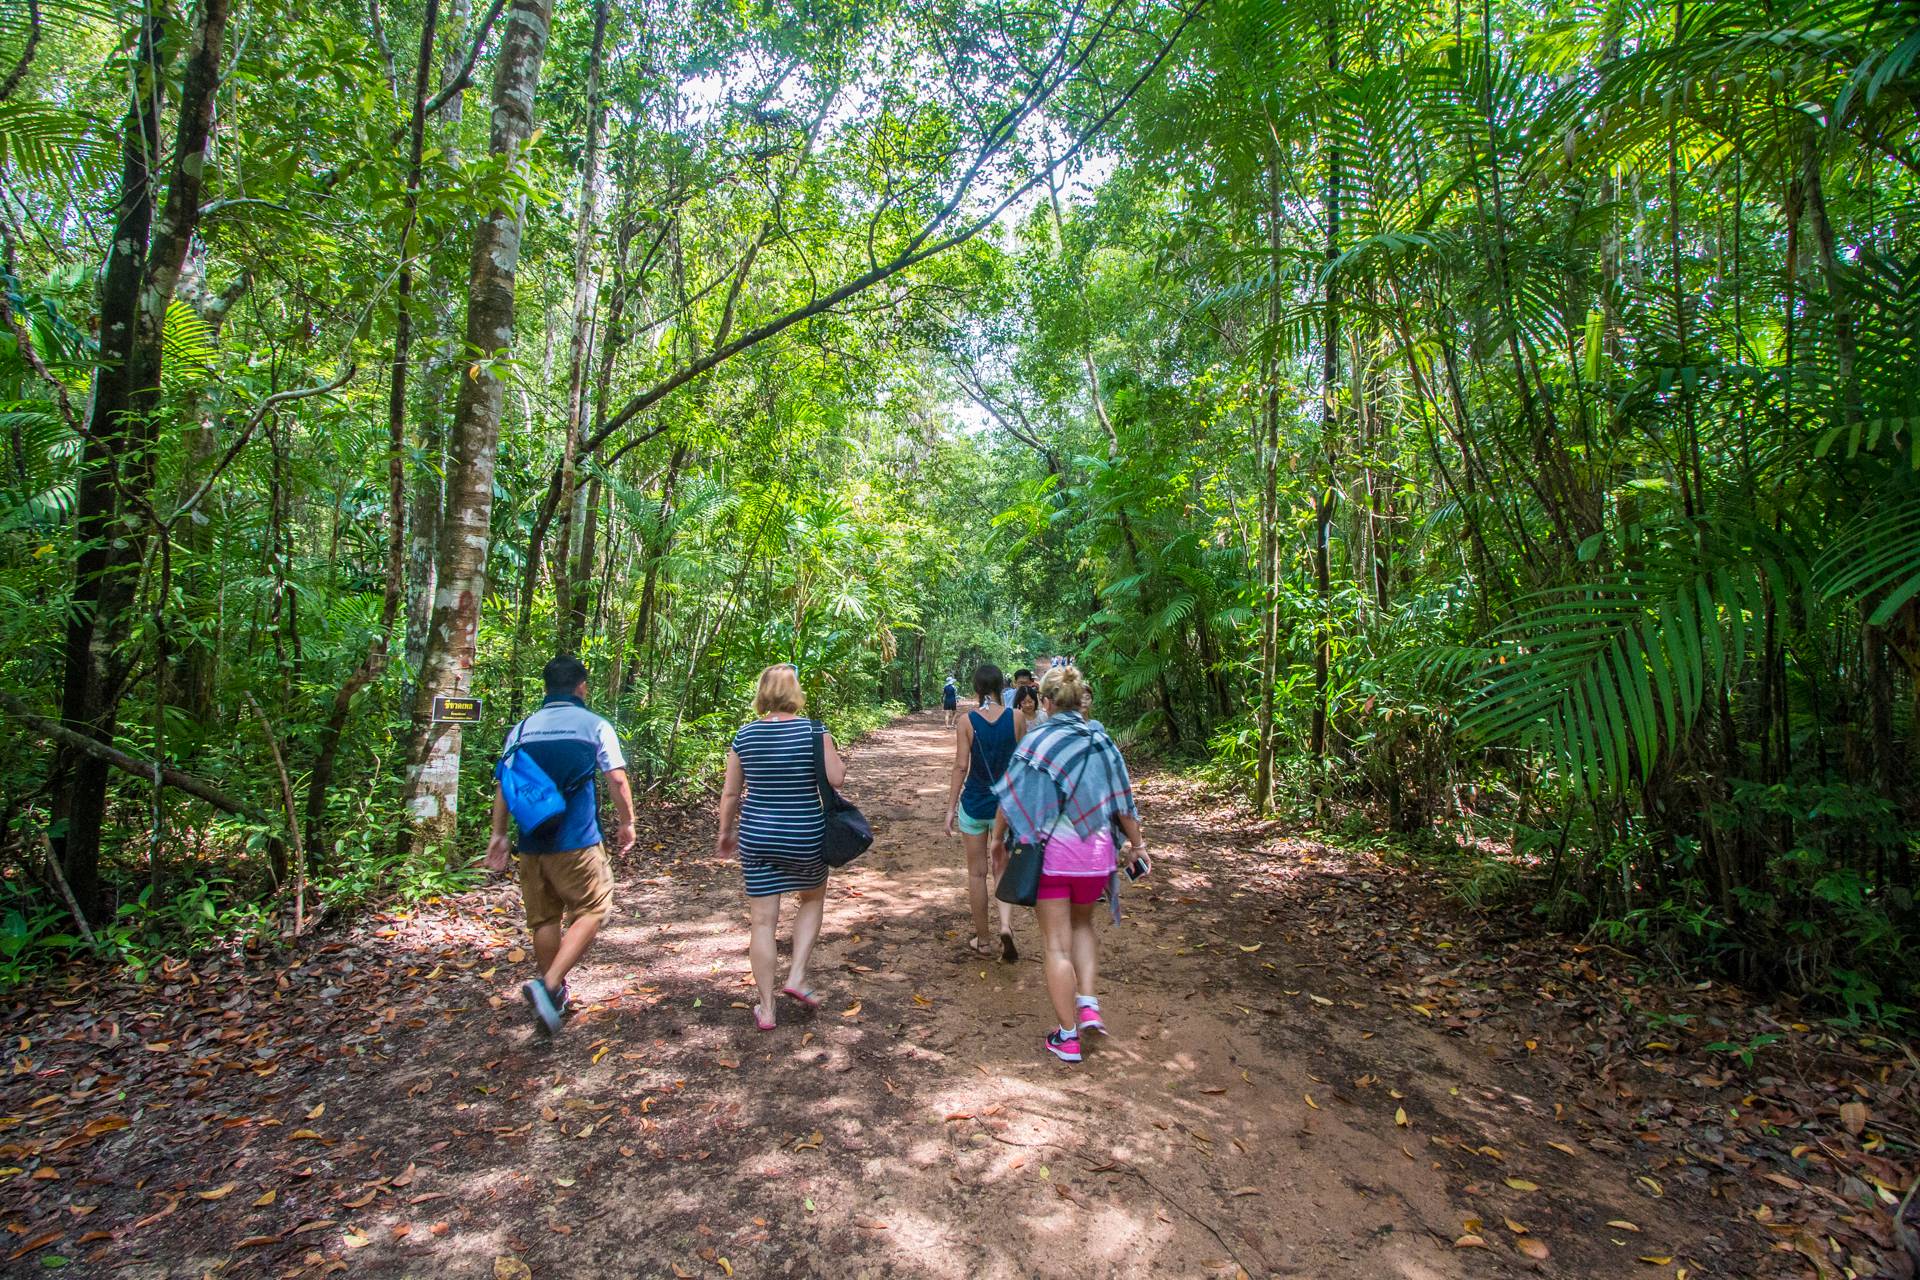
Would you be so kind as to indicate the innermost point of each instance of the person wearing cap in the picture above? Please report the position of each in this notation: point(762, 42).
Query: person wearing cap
point(566, 877)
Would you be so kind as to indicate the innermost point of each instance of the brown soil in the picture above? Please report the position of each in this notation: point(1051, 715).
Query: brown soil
point(1311, 1072)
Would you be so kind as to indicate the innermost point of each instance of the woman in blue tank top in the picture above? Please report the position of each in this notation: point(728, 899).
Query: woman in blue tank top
point(983, 747)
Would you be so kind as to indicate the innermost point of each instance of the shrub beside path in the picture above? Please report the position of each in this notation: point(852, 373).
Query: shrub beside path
point(1317, 1067)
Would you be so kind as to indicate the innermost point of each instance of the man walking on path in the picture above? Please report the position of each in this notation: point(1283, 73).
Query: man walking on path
point(565, 874)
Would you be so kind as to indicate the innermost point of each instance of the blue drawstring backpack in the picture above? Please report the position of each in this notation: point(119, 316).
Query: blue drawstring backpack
point(536, 804)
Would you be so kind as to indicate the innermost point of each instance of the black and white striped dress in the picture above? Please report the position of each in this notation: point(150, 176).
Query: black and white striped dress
point(781, 821)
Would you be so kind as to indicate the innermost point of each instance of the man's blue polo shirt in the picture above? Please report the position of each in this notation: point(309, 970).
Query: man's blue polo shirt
point(570, 743)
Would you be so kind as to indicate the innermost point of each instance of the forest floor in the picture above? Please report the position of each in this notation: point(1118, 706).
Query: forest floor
point(1319, 1066)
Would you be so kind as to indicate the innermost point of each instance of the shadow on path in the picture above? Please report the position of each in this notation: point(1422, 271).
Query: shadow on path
point(1246, 1115)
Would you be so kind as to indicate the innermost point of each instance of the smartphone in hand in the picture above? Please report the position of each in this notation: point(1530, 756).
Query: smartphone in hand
point(1138, 868)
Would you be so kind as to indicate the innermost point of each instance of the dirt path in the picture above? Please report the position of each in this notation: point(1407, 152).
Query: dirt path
point(1297, 1084)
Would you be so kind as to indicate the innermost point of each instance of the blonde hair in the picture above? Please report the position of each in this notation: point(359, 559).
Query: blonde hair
point(780, 690)
point(1066, 687)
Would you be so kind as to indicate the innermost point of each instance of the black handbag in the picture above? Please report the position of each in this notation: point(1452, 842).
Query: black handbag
point(847, 834)
point(1020, 882)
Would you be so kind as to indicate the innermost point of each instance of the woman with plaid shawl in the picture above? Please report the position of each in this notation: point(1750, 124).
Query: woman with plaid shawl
point(1067, 789)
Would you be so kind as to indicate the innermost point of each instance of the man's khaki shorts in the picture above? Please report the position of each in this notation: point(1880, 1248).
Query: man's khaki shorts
point(574, 885)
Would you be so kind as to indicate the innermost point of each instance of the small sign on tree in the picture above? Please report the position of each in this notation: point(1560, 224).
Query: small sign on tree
point(449, 710)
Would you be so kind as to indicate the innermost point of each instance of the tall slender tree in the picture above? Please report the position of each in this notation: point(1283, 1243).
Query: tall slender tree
point(433, 757)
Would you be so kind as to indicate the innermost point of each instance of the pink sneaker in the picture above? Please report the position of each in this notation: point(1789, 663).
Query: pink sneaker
point(1064, 1047)
point(1089, 1016)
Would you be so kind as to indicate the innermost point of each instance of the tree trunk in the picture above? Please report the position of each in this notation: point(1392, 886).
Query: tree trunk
point(423, 505)
point(199, 656)
point(585, 280)
point(113, 521)
point(1323, 508)
point(1264, 735)
point(375, 660)
point(649, 586)
point(585, 560)
point(433, 758)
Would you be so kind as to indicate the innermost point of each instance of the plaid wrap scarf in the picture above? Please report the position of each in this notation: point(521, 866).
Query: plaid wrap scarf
point(1067, 768)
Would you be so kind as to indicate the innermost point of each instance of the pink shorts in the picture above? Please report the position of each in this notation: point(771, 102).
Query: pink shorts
point(1081, 891)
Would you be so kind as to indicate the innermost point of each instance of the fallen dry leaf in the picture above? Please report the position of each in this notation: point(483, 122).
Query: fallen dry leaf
point(1816, 1253)
point(511, 1268)
point(1533, 1247)
point(1521, 1184)
point(40, 1241)
point(220, 1192)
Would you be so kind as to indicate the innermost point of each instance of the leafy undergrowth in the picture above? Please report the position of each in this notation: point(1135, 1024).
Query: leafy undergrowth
point(374, 1104)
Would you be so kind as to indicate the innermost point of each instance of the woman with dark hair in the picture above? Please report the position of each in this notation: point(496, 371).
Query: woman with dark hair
point(1026, 700)
point(982, 746)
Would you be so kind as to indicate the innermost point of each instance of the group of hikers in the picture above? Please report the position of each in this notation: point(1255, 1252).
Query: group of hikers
point(1033, 775)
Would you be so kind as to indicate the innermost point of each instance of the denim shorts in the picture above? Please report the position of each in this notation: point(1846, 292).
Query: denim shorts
point(970, 825)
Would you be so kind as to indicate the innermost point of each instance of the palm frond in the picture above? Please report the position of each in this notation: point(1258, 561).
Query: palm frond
point(1875, 559)
point(1606, 677)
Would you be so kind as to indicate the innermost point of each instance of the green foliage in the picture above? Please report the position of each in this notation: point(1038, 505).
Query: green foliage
point(1495, 425)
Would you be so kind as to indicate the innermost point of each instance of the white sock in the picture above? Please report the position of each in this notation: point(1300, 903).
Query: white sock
point(1086, 1002)
point(1069, 1033)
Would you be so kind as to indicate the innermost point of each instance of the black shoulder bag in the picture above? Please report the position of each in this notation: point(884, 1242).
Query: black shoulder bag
point(847, 834)
point(1020, 882)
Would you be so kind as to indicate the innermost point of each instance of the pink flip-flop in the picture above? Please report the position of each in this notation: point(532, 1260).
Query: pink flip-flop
point(807, 999)
point(764, 1025)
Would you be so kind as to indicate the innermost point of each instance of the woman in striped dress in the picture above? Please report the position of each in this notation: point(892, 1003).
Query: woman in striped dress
point(770, 816)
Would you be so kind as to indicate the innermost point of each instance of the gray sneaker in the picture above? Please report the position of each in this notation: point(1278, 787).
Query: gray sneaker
point(534, 992)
